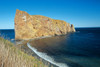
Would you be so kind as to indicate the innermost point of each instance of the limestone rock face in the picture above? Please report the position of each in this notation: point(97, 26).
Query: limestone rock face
point(33, 26)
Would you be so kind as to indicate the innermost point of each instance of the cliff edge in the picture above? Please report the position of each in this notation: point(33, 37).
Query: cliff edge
point(32, 26)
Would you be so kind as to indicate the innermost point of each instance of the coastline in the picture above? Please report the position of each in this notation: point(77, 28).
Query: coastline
point(46, 57)
point(23, 47)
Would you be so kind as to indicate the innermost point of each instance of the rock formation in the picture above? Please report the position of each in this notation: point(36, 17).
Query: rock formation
point(32, 26)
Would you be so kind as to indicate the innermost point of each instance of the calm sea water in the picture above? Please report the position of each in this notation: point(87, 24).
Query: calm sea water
point(8, 34)
point(79, 49)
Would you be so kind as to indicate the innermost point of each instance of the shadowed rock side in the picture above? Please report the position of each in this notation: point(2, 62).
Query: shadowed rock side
point(32, 26)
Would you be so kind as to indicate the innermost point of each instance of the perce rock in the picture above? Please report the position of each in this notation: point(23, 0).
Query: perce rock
point(33, 26)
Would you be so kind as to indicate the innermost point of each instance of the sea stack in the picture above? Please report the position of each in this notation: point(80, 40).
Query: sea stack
point(33, 26)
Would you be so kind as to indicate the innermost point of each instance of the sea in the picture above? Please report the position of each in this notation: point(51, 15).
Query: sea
point(78, 49)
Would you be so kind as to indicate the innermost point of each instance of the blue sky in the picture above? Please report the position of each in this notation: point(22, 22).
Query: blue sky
point(81, 13)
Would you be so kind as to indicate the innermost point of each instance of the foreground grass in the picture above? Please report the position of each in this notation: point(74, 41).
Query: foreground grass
point(10, 56)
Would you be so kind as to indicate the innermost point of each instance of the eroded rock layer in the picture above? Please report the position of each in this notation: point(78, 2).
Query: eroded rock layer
point(33, 26)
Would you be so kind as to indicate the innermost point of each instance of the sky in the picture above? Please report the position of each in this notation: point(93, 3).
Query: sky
point(81, 13)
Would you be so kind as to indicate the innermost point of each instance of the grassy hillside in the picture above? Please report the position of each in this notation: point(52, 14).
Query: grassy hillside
point(10, 56)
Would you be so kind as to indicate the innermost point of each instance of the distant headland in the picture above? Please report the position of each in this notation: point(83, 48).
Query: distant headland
point(33, 26)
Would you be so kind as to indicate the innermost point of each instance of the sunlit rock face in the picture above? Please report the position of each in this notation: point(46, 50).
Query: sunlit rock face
point(33, 26)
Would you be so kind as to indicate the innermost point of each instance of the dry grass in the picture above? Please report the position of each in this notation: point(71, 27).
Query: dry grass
point(12, 57)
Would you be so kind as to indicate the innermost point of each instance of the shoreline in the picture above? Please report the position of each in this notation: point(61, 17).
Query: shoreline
point(46, 57)
point(29, 51)
point(23, 47)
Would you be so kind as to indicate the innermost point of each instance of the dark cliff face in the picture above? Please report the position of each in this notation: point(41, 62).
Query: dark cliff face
point(32, 26)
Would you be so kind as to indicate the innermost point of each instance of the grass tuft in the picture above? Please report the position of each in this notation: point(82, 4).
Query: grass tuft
point(10, 56)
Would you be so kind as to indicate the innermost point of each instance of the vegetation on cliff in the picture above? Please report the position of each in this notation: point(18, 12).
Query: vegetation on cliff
point(10, 56)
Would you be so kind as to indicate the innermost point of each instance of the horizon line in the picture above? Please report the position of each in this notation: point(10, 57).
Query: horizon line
point(75, 27)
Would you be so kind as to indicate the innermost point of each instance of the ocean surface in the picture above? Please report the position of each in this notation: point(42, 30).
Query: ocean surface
point(79, 49)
